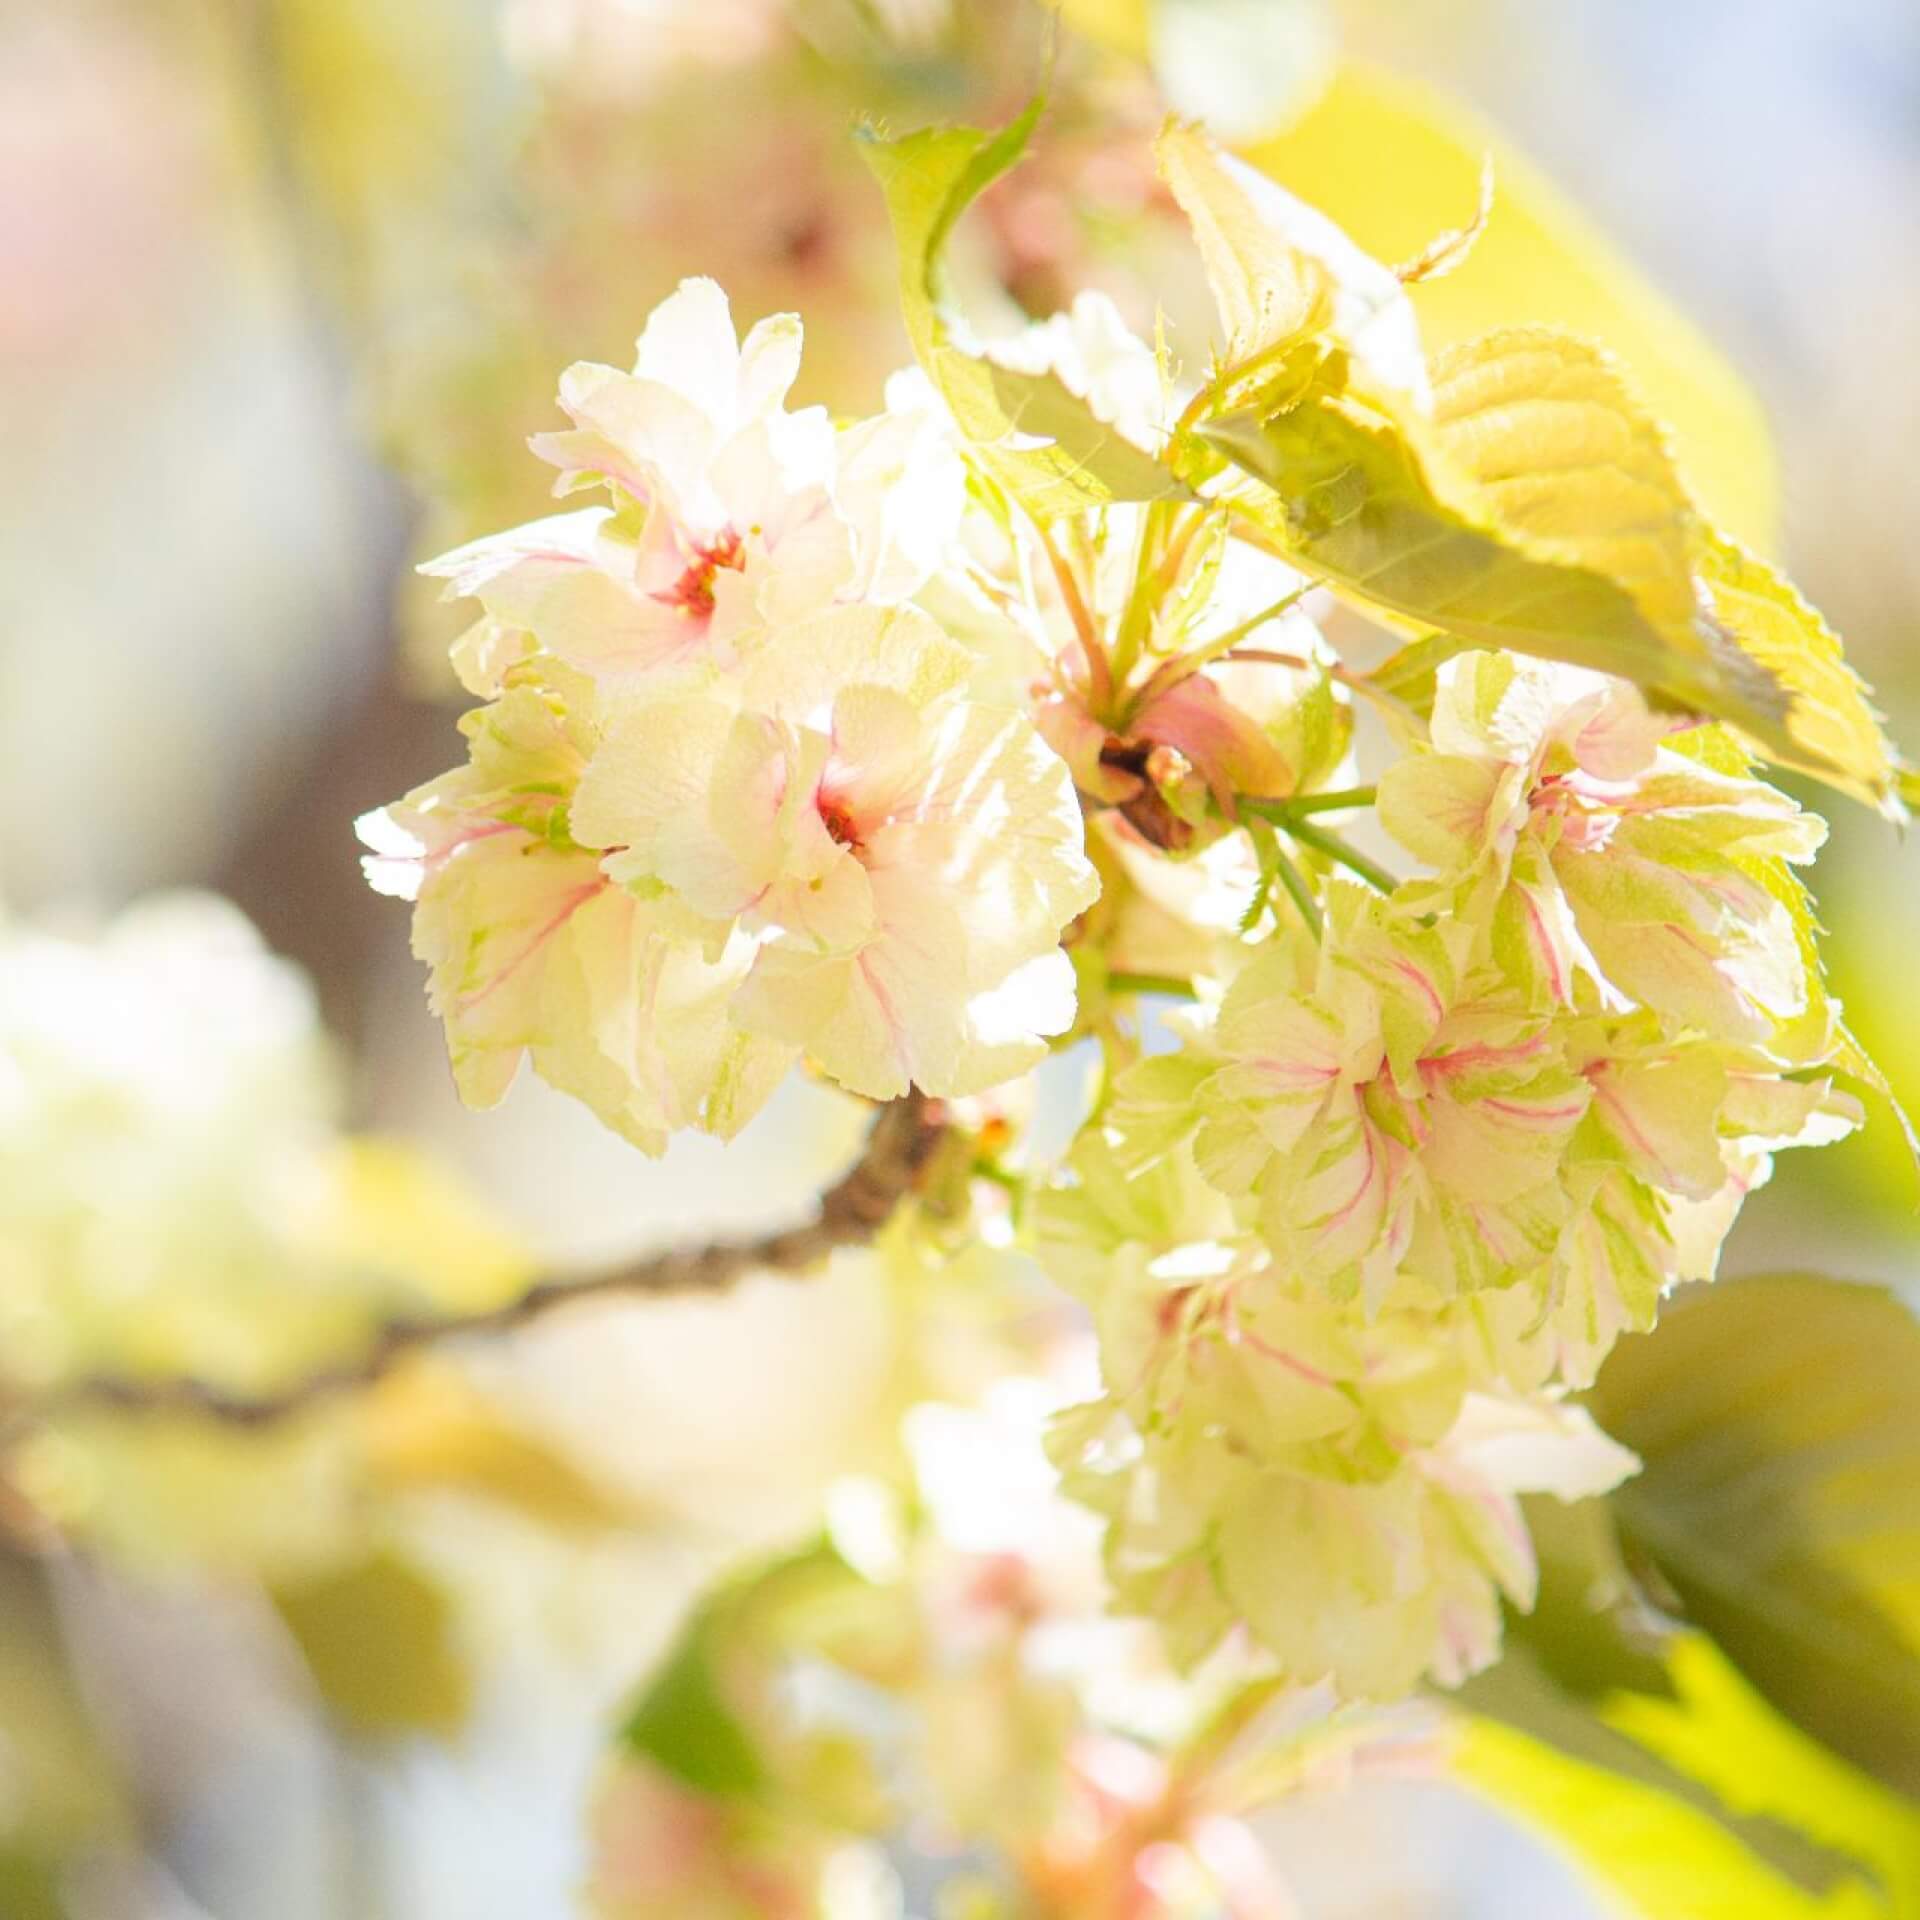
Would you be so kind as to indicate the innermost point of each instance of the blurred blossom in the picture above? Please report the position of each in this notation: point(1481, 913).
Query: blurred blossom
point(187, 542)
point(235, 242)
point(590, 223)
point(630, 47)
point(165, 1111)
point(108, 179)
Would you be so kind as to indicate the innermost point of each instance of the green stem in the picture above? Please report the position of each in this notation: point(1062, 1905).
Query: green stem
point(1139, 610)
point(1295, 883)
point(1284, 812)
point(1349, 857)
point(1174, 985)
point(1184, 665)
point(1343, 800)
point(1226, 642)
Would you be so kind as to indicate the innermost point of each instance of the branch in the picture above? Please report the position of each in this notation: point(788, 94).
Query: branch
point(850, 1213)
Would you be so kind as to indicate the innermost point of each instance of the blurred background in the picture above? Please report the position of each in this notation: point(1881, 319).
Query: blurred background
point(284, 285)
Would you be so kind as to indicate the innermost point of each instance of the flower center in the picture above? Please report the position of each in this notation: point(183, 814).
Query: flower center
point(692, 593)
point(839, 824)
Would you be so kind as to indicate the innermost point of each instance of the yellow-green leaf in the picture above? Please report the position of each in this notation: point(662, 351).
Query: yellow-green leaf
point(1267, 288)
point(1043, 405)
point(1567, 460)
point(1718, 1731)
point(377, 1638)
point(1831, 728)
point(1536, 510)
point(930, 178)
point(685, 1723)
point(1359, 502)
point(1778, 1423)
point(1395, 164)
point(1638, 1825)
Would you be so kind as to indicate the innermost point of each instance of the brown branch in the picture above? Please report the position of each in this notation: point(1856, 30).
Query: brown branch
point(850, 1213)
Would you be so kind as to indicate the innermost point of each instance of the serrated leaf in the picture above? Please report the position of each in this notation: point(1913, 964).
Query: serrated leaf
point(1831, 728)
point(1778, 1422)
point(1357, 503)
point(1854, 1063)
point(1281, 272)
point(1564, 458)
point(1529, 499)
point(1266, 287)
point(1537, 511)
point(1395, 163)
point(377, 1636)
point(929, 179)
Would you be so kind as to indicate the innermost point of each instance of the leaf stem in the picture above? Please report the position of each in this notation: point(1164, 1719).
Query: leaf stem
point(1183, 666)
point(1349, 857)
point(1297, 888)
point(1281, 812)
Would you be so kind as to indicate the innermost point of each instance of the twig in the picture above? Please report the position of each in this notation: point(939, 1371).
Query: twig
point(851, 1212)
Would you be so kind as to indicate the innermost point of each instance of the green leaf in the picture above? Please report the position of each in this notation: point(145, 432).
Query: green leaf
point(694, 1716)
point(1569, 465)
point(1855, 1064)
point(1394, 164)
point(1268, 289)
point(1042, 404)
point(377, 1637)
point(1537, 511)
point(684, 1723)
point(1615, 1798)
point(929, 179)
point(1718, 1731)
point(1831, 729)
point(1778, 1422)
point(1355, 501)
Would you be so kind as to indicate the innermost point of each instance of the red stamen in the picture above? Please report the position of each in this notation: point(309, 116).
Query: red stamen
point(693, 591)
point(839, 823)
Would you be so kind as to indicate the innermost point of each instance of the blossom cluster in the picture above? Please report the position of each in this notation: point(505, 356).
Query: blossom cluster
point(733, 801)
point(1348, 1247)
point(185, 1220)
point(920, 747)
